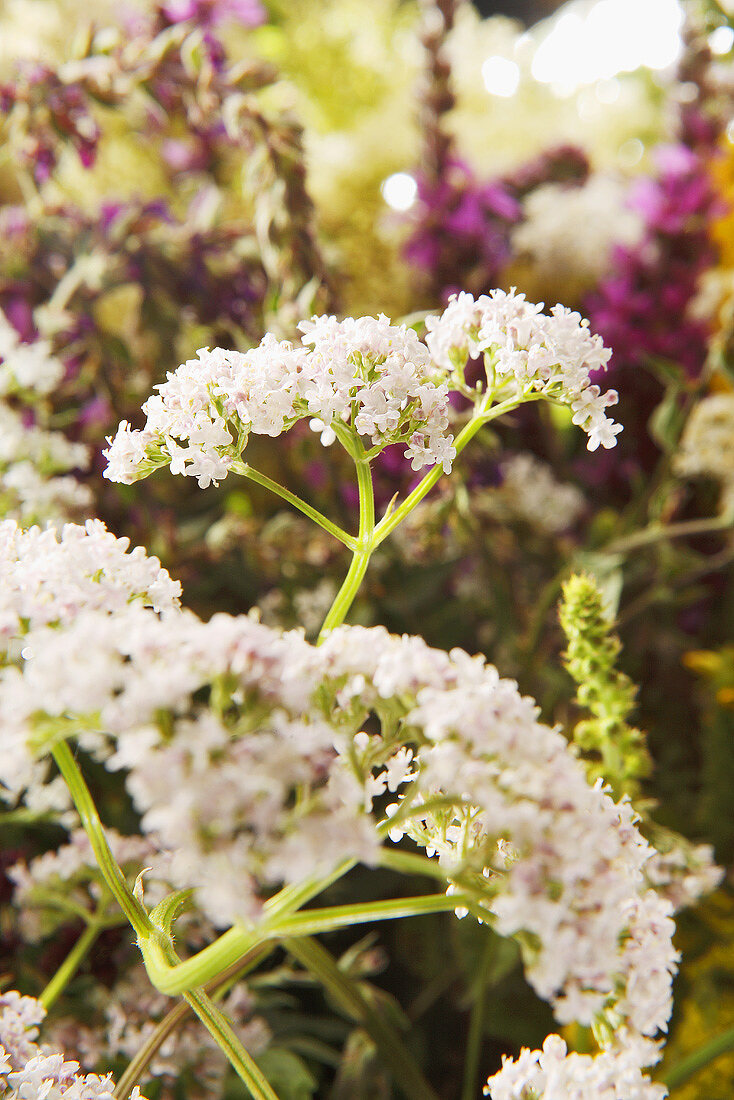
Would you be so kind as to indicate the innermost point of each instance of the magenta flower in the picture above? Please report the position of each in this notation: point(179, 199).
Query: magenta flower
point(209, 13)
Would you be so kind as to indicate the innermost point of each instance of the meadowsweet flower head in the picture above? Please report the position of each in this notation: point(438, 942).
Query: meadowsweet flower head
point(528, 352)
point(365, 372)
point(34, 471)
point(19, 1021)
point(50, 578)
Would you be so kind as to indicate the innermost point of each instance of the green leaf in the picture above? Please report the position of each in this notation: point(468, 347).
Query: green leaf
point(666, 423)
point(287, 1073)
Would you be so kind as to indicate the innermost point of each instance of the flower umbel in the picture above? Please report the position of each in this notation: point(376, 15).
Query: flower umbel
point(374, 376)
point(526, 353)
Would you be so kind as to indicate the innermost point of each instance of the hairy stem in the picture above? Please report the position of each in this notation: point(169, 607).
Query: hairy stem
point(316, 921)
point(232, 945)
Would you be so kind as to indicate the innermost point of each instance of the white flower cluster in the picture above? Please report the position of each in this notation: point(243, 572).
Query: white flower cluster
point(527, 351)
point(681, 871)
point(217, 790)
point(30, 460)
point(244, 753)
point(367, 372)
point(238, 796)
point(49, 578)
point(26, 366)
point(549, 237)
point(529, 492)
point(569, 867)
point(32, 1072)
point(553, 1074)
point(31, 457)
point(707, 446)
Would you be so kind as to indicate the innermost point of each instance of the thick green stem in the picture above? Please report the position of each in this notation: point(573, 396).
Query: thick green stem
point(688, 1067)
point(233, 944)
point(71, 964)
point(365, 544)
point(346, 993)
point(107, 863)
point(334, 529)
point(370, 536)
point(218, 1027)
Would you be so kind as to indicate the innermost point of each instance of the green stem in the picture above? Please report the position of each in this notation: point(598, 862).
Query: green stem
point(135, 1070)
point(411, 863)
point(688, 1067)
point(316, 921)
point(107, 863)
point(682, 582)
point(233, 944)
point(221, 1031)
point(23, 816)
point(483, 416)
point(334, 529)
point(345, 992)
point(365, 541)
point(659, 533)
point(219, 1027)
point(70, 965)
point(52, 899)
point(476, 1024)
